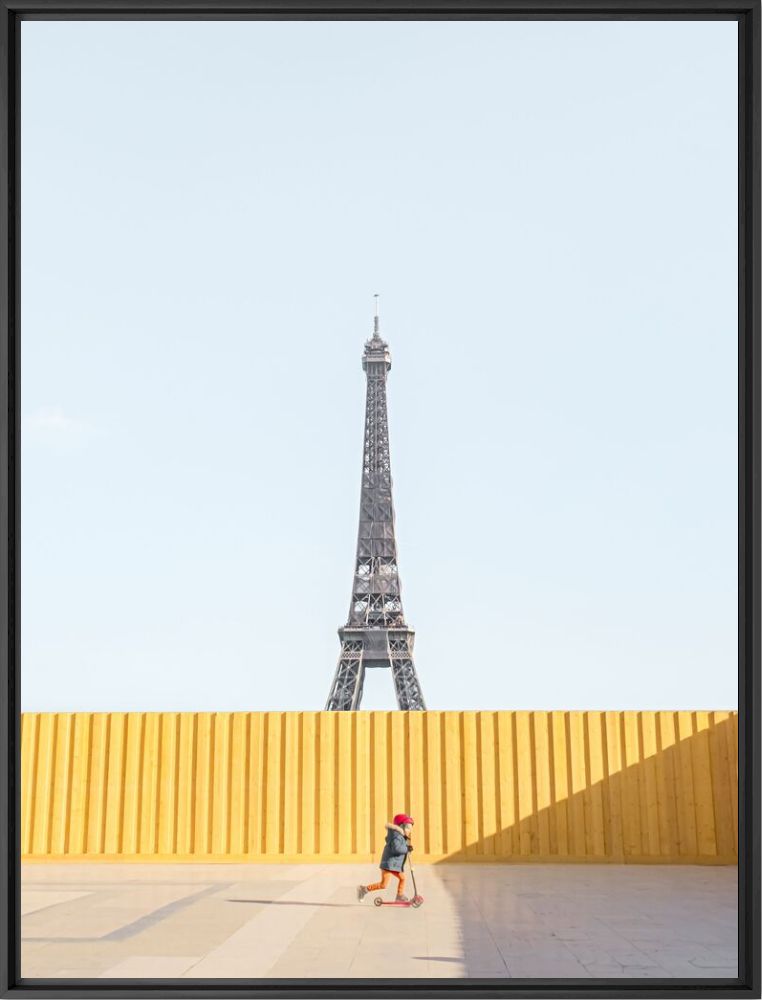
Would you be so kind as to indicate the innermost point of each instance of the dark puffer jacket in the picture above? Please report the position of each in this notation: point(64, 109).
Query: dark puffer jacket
point(395, 849)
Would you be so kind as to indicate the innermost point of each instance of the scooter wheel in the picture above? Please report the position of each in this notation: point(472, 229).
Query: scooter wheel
point(378, 901)
point(417, 901)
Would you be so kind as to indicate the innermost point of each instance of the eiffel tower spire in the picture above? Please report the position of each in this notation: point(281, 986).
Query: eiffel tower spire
point(376, 634)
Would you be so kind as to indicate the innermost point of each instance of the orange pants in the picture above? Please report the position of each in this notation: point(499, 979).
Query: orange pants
point(385, 876)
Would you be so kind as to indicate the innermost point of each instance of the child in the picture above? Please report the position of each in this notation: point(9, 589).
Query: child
point(397, 847)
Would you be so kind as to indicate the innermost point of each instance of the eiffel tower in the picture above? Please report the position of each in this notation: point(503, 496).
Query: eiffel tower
point(376, 634)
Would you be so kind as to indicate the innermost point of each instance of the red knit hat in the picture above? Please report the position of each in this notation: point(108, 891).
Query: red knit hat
point(400, 819)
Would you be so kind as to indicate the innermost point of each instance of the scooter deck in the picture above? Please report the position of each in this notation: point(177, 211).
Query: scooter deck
point(415, 901)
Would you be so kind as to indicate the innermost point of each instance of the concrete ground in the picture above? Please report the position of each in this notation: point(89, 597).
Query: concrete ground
point(304, 921)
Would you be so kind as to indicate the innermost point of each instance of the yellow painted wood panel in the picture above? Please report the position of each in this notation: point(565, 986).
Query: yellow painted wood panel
point(344, 783)
point(594, 726)
point(29, 730)
point(62, 783)
point(561, 783)
point(398, 752)
point(666, 783)
point(309, 775)
point(487, 778)
point(576, 751)
point(470, 769)
point(291, 790)
point(256, 801)
point(613, 791)
point(706, 833)
point(204, 783)
point(722, 783)
point(114, 819)
point(77, 840)
point(541, 744)
point(525, 780)
point(96, 805)
point(361, 842)
point(133, 772)
point(43, 787)
point(167, 781)
point(631, 784)
point(435, 802)
point(649, 785)
point(686, 795)
point(453, 787)
point(415, 762)
point(527, 786)
point(326, 797)
point(273, 818)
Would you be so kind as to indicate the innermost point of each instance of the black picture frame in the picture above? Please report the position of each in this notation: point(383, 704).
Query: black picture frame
point(747, 14)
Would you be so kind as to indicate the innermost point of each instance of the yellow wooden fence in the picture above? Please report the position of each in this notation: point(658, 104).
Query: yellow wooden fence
point(306, 786)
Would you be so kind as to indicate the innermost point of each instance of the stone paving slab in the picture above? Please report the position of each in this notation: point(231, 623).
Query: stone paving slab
point(186, 921)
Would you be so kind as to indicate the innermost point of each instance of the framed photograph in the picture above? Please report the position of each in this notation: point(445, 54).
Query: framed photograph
point(302, 301)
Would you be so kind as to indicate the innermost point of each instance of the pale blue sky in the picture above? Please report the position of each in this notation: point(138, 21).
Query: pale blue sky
point(549, 213)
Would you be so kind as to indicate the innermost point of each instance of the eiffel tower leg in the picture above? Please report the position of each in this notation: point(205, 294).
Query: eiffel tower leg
point(406, 686)
point(346, 690)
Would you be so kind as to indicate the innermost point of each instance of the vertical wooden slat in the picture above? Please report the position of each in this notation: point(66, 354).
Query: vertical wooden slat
point(166, 782)
point(732, 739)
point(633, 839)
point(561, 779)
point(80, 783)
point(114, 806)
point(416, 801)
point(62, 783)
point(453, 784)
point(397, 749)
point(222, 782)
point(239, 781)
point(614, 762)
point(721, 785)
point(345, 722)
point(666, 777)
point(310, 761)
point(665, 843)
point(186, 782)
point(470, 785)
point(594, 726)
point(133, 772)
point(96, 806)
point(274, 791)
point(380, 781)
point(542, 780)
point(256, 782)
point(650, 785)
point(686, 794)
point(327, 822)
point(43, 790)
point(362, 810)
point(435, 827)
point(202, 820)
point(509, 818)
point(291, 785)
point(29, 721)
point(576, 750)
point(706, 836)
point(486, 779)
point(524, 772)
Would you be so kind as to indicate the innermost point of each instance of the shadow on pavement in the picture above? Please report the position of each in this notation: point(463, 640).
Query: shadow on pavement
point(285, 902)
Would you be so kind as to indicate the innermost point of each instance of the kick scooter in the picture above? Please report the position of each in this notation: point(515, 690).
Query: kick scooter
point(415, 901)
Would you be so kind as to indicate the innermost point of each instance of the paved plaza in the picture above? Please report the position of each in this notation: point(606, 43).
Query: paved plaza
point(304, 921)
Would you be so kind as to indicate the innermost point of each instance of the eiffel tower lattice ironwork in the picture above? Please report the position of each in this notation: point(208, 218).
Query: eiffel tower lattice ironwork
point(376, 634)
